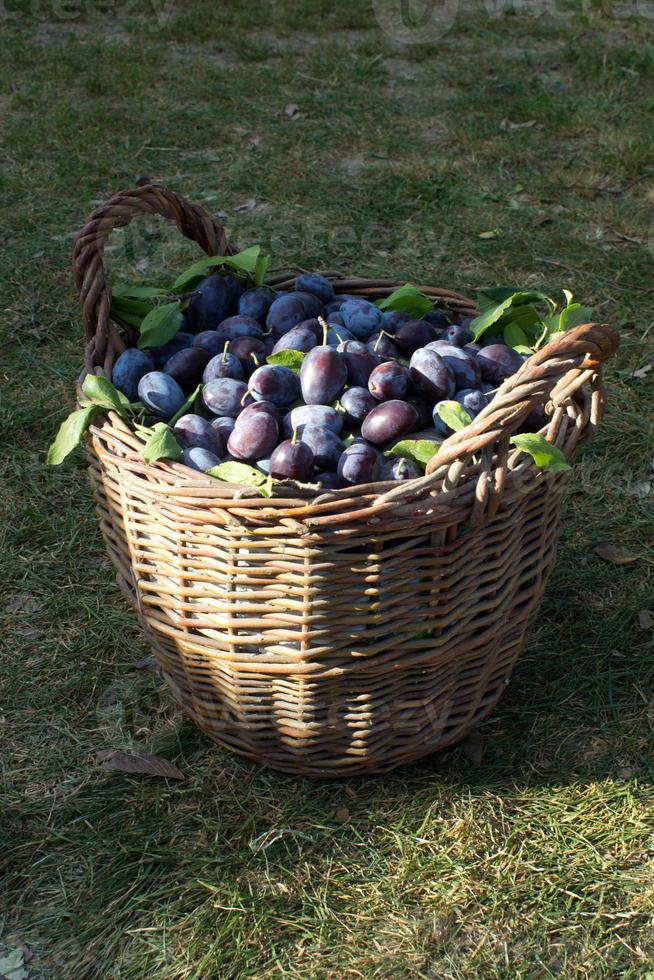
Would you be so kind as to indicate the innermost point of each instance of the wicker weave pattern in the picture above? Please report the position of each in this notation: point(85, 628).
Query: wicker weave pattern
point(356, 630)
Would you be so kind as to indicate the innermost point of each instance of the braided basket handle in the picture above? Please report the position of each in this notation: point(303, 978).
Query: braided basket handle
point(554, 373)
point(88, 271)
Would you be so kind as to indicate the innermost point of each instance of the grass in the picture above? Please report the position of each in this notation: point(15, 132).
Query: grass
point(539, 862)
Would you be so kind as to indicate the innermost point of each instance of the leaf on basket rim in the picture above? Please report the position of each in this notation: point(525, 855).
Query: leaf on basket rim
point(407, 299)
point(419, 451)
point(161, 444)
point(70, 434)
point(100, 391)
point(454, 415)
point(243, 474)
point(138, 762)
point(544, 454)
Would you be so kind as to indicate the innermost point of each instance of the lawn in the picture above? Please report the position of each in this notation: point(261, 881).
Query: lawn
point(515, 147)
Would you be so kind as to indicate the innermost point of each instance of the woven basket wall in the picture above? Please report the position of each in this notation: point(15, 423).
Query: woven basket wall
point(350, 631)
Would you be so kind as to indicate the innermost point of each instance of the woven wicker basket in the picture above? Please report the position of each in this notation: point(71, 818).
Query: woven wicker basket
point(343, 632)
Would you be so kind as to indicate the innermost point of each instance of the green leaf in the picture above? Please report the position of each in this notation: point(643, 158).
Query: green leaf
point(137, 307)
point(493, 295)
point(260, 269)
point(160, 325)
point(244, 475)
point(137, 292)
point(161, 444)
point(101, 392)
point(543, 453)
point(515, 336)
point(70, 434)
point(574, 315)
point(246, 261)
point(495, 314)
point(187, 406)
point(407, 299)
point(454, 415)
point(420, 451)
point(288, 358)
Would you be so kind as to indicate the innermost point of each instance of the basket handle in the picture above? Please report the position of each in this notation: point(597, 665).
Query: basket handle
point(88, 272)
point(555, 372)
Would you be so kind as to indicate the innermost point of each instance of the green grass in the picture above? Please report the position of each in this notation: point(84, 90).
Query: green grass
point(539, 862)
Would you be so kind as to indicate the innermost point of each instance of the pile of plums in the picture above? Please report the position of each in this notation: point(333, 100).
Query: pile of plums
point(375, 377)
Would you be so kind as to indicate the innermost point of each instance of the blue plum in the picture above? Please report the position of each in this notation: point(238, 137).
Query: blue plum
point(359, 463)
point(323, 415)
point(129, 369)
point(413, 335)
point(186, 366)
point(383, 347)
point(180, 341)
point(239, 326)
point(160, 394)
point(360, 361)
point(324, 444)
point(275, 383)
point(431, 377)
point(388, 422)
point(225, 396)
point(464, 365)
point(194, 431)
point(399, 468)
point(199, 458)
point(224, 424)
point(313, 282)
point(437, 319)
point(393, 320)
point(254, 437)
point(292, 461)
point(299, 338)
point(225, 365)
point(357, 402)
point(497, 362)
point(323, 375)
point(211, 341)
point(285, 313)
point(389, 380)
point(212, 301)
point(361, 317)
point(458, 334)
point(255, 303)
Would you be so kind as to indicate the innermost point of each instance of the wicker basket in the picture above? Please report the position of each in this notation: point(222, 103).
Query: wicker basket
point(343, 632)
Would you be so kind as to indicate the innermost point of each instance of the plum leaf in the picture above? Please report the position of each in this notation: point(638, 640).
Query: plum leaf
point(454, 415)
point(407, 299)
point(161, 444)
point(100, 391)
point(419, 451)
point(187, 406)
point(514, 336)
point(288, 358)
point(545, 455)
point(517, 306)
point(70, 433)
point(248, 476)
point(250, 261)
point(160, 325)
point(137, 292)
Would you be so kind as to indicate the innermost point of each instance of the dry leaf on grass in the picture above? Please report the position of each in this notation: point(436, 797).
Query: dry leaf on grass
point(342, 814)
point(249, 205)
point(645, 619)
point(12, 965)
point(507, 125)
point(643, 371)
point(542, 218)
point(148, 663)
point(138, 762)
point(291, 110)
point(615, 554)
